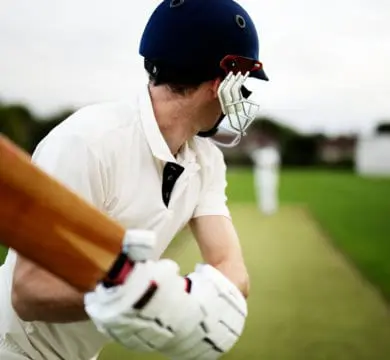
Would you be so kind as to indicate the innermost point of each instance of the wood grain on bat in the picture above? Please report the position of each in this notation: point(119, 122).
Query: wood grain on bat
point(49, 224)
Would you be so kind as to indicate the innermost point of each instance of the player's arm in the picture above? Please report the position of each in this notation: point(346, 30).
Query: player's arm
point(37, 295)
point(213, 228)
point(221, 284)
point(220, 247)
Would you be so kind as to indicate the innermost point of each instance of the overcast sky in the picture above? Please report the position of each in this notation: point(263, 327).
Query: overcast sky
point(328, 61)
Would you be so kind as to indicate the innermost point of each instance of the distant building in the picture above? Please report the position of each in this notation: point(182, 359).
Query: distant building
point(337, 149)
point(372, 156)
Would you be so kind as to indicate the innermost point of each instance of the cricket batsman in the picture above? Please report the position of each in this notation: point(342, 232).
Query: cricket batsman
point(150, 164)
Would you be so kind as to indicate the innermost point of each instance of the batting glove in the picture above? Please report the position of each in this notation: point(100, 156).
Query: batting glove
point(226, 310)
point(150, 307)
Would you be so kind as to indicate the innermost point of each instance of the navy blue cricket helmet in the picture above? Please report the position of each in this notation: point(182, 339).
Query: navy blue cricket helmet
point(187, 40)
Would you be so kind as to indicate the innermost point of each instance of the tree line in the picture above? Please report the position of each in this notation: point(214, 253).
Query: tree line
point(25, 128)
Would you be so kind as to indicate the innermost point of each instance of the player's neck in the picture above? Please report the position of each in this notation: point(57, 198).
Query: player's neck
point(176, 117)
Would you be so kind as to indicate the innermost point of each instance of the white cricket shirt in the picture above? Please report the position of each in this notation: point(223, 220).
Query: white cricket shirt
point(113, 154)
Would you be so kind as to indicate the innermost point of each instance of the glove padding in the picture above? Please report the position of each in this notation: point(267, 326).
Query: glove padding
point(144, 313)
point(226, 310)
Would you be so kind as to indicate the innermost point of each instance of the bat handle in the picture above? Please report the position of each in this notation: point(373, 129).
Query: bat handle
point(119, 271)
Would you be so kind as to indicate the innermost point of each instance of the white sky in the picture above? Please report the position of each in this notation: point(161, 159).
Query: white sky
point(328, 61)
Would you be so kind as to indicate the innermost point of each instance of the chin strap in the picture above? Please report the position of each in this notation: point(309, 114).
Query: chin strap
point(231, 144)
point(212, 131)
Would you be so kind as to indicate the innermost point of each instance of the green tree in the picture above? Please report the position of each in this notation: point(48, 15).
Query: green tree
point(17, 122)
point(24, 128)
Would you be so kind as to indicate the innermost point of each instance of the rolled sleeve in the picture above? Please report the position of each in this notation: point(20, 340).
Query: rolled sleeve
point(213, 199)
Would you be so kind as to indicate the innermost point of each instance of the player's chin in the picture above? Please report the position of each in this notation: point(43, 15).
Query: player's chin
point(212, 123)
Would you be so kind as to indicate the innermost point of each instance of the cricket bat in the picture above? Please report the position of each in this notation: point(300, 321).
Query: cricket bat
point(52, 226)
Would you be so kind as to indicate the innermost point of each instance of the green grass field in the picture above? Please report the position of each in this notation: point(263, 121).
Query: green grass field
point(353, 211)
point(308, 300)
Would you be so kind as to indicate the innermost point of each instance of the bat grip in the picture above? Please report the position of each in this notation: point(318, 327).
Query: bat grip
point(119, 271)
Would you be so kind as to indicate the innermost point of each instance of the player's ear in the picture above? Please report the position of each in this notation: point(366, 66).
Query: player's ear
point(214, 86)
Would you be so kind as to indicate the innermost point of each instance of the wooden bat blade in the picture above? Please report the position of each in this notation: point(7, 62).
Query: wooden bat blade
point(49, 224)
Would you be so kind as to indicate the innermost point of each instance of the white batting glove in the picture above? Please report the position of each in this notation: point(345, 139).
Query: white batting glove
point(146, 311)
point(226, 310)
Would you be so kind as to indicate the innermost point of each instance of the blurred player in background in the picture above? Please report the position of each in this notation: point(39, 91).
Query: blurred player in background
point(266, 160)
point(151, 166)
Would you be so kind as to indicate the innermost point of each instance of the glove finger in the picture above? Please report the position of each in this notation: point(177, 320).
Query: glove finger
point(135, 339)
point(221, 337)
point(234, 320)
point(203, 346)
point(167, 281)
point(195, 346)
point(206, 292)
point(136, 344)
point(208, 354)
point(182, 312)
point(224, 285)
point(155, 335)
point(183, 345)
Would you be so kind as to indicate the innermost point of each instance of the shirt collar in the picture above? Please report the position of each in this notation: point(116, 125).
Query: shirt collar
point(152, 132)
point(186, 155)
point(155, 139)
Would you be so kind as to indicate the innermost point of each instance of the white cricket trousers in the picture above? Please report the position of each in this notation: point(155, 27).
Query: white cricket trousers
point(10, 352)
point(266, 186)
point(7, 355)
